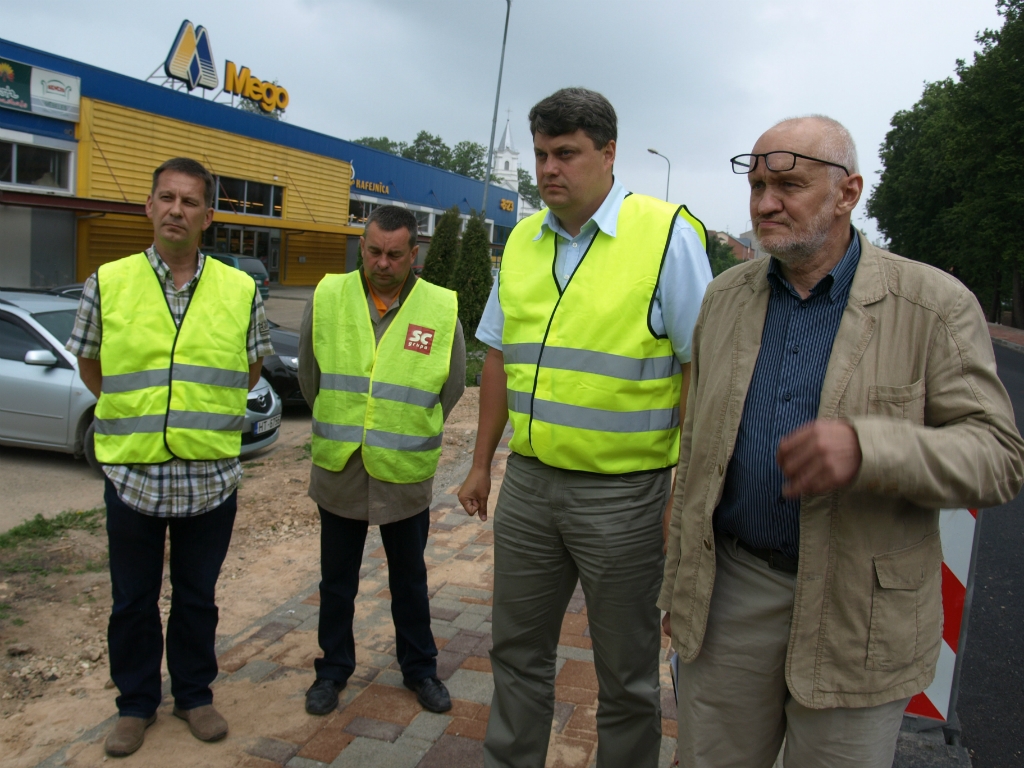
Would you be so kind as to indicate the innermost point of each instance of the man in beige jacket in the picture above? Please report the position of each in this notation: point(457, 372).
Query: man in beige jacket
point(840, 395)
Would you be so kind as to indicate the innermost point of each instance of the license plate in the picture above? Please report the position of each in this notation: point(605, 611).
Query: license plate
point(267, 425)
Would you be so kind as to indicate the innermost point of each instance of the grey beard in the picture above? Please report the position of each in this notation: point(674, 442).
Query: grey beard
point(792, 252)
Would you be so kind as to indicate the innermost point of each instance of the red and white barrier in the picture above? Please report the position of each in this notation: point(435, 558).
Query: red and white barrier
point(957, 529)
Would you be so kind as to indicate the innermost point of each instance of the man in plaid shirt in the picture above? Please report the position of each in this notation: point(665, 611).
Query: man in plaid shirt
point(194, 499)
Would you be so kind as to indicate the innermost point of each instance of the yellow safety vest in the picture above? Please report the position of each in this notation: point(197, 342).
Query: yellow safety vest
point(383, 398)
point(590, 386)
point(168, 391)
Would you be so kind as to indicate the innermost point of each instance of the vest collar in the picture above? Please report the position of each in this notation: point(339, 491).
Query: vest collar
point(606, 217)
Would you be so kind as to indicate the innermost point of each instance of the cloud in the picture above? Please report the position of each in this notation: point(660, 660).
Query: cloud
point(697, 81)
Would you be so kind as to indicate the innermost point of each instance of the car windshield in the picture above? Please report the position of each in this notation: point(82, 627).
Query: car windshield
point(59, 323)
point(252, 266)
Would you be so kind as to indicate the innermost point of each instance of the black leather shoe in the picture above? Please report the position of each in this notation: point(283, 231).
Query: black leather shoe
point(322, 696)
point(431, 694)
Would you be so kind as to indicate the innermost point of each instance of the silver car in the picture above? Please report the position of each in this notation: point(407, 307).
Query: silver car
point(43, 402)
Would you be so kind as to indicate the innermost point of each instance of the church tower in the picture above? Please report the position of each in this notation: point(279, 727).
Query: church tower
point(505, 170)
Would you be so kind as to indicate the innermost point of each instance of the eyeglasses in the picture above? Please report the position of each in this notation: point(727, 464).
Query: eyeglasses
point(776, 161)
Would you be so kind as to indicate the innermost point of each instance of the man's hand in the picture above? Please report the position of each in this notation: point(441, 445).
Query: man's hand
point(666, 624)
point(819, 457)
point(474, 492)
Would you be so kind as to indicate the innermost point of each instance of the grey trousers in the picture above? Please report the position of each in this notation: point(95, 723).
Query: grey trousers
point(552, 527)
point(734, 705)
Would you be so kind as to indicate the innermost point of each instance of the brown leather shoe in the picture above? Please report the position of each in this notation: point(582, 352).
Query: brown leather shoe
point(128, 735)
point(205, 722)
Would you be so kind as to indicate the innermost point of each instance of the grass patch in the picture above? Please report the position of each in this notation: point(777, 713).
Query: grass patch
point(251, 464)
point(5, 610)
point(41, 528)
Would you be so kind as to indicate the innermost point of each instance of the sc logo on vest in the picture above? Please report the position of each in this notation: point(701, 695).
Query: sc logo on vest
point(419, 339)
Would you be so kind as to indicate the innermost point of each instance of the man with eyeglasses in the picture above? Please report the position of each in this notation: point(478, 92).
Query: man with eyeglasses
point(841, 395)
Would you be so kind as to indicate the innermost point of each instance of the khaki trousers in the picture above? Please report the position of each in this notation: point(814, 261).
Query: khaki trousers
point(552, 527)
point(734, 705)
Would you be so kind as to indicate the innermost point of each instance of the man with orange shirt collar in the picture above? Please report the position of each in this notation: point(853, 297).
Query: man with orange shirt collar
point(358, 477)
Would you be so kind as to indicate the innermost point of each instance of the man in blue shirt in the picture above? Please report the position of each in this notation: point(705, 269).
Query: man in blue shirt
point(555, 521)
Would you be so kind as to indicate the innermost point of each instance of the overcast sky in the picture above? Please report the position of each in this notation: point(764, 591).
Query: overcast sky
point(698, 81)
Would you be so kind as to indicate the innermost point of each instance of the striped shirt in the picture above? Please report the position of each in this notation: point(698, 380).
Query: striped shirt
point(784, 394)
point(176, 488)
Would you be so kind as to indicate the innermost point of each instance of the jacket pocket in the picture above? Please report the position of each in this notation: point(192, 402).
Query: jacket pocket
point(906, 402)
point(906, 607)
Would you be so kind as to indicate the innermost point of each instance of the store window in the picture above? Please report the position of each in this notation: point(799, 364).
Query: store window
point(34, 165)
point(249, 197)
point(422, 222)
point(359, 211)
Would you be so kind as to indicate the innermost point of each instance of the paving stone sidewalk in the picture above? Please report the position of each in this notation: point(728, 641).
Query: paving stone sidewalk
point(266, 670)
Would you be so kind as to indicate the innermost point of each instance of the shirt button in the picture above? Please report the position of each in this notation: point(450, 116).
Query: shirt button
point(787, 396)
point(707, 544)
point(796, 348)
point(575, 245)
point(721, 469)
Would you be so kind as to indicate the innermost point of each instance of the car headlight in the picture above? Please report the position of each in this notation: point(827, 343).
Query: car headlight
point(291, 362)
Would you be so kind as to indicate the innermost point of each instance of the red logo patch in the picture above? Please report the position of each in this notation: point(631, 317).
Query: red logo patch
point(419, 339)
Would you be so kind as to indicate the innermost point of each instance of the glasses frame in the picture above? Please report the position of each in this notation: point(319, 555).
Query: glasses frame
point(795, 155)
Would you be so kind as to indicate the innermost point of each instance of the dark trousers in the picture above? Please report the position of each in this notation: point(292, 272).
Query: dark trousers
point(135, 635)
point(341, 555)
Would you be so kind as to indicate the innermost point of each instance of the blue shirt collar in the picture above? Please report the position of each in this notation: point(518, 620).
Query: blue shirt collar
point(837, 282)
point(605, 218)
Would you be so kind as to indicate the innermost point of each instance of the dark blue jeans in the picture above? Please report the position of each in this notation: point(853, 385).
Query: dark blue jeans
point(135, 635)
point(341, 555)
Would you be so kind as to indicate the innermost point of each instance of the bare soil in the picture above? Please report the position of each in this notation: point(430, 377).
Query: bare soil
point(55, 593)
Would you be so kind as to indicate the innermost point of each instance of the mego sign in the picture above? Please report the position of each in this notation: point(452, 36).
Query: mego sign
point(263, 92)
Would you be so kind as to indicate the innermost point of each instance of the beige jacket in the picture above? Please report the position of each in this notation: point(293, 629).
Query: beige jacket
point(912, 370)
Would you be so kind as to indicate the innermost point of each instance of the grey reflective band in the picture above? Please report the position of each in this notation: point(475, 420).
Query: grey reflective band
point(130, 426)
point(519, 402)
point(377, 439)
point(605, 364)
point(589, 361)
point(218, 377)
point(401, 394)
point(340, 433)
point(600, 420)
point(339, 382)
point(129, 382)
point(518, 354)
point(212, 422)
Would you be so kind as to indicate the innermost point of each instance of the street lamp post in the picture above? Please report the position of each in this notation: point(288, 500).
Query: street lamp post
point(494, 122)
point(668, 178)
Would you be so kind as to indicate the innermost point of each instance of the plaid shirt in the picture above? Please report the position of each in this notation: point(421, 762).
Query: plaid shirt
point(176, 488)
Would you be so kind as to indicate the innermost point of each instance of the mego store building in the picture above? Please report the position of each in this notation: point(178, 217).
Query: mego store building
point(78, 146)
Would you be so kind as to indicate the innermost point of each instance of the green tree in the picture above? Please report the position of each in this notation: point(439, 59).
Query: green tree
point(469, 159)
point(528, 190)
point(383, 143)
point(949, 193)
point(444, 249)
point(720, 255)
point(471, 278)
point(430, 149)
point(252, 107)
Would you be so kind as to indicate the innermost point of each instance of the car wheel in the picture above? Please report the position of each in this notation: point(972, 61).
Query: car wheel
point(89, 449)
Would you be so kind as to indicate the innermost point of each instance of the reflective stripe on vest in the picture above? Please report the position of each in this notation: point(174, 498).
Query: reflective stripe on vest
point(590, 387)
point(167, 391)
point(383, 399)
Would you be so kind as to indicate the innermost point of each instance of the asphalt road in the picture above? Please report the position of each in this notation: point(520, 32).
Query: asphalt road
point(991, 705)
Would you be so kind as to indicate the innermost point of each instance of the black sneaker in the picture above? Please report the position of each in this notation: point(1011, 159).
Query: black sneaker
point(322, 696)
point(431, 693)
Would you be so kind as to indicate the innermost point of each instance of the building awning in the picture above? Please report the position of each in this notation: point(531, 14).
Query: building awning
point(36, 200)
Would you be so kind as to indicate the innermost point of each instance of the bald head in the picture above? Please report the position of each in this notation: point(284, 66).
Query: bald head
point(802, 215)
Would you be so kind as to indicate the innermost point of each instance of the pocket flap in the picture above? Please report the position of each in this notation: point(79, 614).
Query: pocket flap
point(904, 394)
point(907, 568)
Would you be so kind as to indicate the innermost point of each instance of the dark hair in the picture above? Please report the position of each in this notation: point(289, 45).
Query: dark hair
point(189, 167)
point(391, 217)
point(573, 109)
